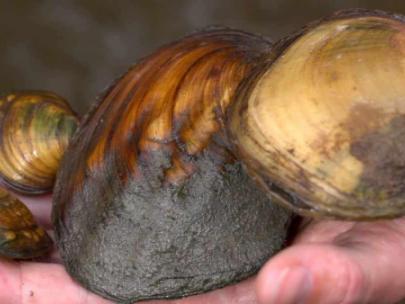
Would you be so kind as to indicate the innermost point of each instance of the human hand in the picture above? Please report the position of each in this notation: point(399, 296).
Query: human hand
point(345, 262)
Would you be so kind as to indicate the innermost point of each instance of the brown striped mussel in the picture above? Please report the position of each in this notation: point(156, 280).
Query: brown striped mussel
point(35, 129)
point(20, 236)
point(152, 200)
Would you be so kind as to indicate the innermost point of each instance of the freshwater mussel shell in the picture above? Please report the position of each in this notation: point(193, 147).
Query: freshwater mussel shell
point(35, 129)
point(149, 201)
point(322, 126)
point(20, 236)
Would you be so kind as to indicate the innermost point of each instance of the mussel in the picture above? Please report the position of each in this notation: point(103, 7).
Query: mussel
point(20, 236)
point(150, 202)
point(152, 199)
point(35, 129)
point(321, 127)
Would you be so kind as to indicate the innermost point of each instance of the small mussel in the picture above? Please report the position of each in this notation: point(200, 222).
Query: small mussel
point(20, 236)
point(35, 129)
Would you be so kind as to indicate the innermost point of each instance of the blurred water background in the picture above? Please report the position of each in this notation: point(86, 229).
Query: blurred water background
point(76, 48)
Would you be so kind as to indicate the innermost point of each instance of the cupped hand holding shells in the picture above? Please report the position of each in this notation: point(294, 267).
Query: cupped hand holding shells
point(347, 262)
point(151, 201)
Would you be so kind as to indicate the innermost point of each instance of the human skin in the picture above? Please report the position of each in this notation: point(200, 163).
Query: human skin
point(327, 262)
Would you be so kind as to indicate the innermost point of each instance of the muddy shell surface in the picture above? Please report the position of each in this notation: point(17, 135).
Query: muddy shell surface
point(215, 229)
point(149, 201)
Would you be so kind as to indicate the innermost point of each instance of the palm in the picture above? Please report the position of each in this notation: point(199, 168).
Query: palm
point(350, 263)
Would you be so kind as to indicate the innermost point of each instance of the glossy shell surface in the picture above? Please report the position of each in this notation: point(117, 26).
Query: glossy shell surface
point(35, 129)
point(322, 128)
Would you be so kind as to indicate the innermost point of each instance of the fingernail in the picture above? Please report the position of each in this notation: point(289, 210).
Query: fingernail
point(290, 286)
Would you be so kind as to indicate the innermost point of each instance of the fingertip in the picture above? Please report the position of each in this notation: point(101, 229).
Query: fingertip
point(309, 274)
point(284, 279)
point(288, 285)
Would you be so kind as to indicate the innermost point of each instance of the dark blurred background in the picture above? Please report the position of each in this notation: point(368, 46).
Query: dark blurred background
point(76, 48)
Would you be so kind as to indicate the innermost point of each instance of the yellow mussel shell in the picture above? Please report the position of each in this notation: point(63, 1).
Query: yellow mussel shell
point(323, 127)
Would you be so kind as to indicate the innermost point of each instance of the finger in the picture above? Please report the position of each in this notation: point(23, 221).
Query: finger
point(34, 283)
point(241, 293)
point(310, 274)
point(363, 265)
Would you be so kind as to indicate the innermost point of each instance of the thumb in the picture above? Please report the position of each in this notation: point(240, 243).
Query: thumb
point(331, 274)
